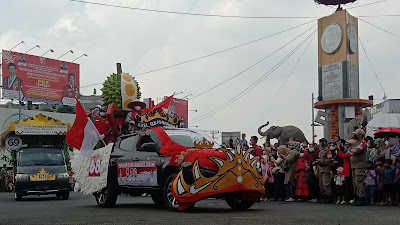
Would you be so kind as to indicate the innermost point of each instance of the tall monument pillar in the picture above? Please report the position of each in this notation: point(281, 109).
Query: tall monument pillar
point(338, 72)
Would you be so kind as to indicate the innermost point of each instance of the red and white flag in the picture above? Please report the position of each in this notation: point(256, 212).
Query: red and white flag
point(162, 106)
point(83, 135)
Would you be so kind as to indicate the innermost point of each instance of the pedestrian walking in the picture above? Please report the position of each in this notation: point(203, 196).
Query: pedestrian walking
point(3, 177)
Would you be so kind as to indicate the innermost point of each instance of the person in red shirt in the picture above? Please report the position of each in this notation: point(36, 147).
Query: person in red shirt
point(103, 126)
point(257, 149)
point(348, 184)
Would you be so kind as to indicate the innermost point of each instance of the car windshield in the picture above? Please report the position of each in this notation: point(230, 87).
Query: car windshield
point(42, 157)
point(185, 137)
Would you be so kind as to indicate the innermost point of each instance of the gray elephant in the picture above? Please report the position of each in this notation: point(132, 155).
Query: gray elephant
point(283, 132)
point(360, 121)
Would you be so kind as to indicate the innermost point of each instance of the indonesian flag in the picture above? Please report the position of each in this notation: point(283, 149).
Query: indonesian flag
point(83, 135)
point(162, 106)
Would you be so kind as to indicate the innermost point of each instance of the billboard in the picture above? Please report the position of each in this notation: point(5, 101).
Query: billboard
point(230, 135)
point(41, 79)
point(181, 108)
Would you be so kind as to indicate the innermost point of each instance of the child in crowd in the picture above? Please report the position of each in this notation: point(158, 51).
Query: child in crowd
point(397, 179)
point(369, 182)
point(379, 170)
point(388, 181)
point(339, 181)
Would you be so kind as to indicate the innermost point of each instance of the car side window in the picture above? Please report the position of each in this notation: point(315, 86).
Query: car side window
point(129, 144)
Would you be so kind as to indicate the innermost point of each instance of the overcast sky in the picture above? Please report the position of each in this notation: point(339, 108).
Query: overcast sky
point(144, 41)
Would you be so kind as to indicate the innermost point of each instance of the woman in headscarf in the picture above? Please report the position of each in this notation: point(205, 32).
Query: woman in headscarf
point(278, 172)
point(301, 186)
point(394, 148)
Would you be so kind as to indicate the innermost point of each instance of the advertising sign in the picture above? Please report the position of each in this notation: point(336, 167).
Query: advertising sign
point(181, 108)
point(230, 135)
point(41, 79)
point(140, 173)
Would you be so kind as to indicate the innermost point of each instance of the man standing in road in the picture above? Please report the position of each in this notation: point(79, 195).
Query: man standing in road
point(243, 141)
point(324, 173)
point(257, 149)
point(3, 177)
point(357, 160)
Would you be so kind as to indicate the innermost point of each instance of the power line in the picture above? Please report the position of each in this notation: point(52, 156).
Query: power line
point(393, 15)
point(371, 3)
point(193, 14)
point(369, 61)
point(269, 107)
point(241, 72)
point(214, 53)
point(253, 85)
point(380, 28)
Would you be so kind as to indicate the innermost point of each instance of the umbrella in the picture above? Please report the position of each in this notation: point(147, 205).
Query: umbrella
point(334, 2)
point(385, 120)
point(387, 132)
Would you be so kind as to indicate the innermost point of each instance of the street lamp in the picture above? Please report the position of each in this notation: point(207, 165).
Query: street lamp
point(80, 56)
point(186, 96)
point(22, 42)
point(178, 93)
point(51, 50)
point(65, 53)
point(193, 110)
point(36, 46)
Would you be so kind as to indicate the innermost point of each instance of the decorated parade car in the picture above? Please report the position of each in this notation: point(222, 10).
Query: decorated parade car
point(176, 166)
point(151, 155)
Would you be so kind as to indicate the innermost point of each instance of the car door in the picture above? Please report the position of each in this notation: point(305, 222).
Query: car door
point(143, 167)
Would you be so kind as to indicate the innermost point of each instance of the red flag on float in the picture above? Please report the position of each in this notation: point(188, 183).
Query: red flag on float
point(162, 106)
point(83, 135)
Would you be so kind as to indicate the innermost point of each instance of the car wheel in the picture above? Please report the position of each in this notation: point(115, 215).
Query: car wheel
point(238, 204)
point(65, 195)
point(158, 198)
point(18, 197)
point(169, 198)
point(106, 197)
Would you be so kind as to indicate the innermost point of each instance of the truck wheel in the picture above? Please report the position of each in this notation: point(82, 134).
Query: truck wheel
point(18, 197)
point(169, 198)
point(158, 198)
point(65, 195)
point(238, 204)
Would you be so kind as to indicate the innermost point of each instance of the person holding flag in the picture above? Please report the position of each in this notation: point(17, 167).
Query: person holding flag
point(83, 134)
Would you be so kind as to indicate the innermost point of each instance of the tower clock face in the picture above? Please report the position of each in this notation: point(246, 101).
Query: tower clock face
point(352, 38)
point(331, 38)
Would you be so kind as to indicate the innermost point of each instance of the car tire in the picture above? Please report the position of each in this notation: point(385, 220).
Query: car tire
point(169, 199)
point(158, 198)
point(65, 195)
point(107, 197)
point(18, 197)
point(238, 204)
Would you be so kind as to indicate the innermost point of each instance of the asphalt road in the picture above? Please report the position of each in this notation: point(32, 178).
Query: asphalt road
point(82, 209)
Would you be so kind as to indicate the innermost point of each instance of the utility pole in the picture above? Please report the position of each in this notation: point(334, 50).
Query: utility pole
point(119, 68)
point(214, 133)
point(313, 118)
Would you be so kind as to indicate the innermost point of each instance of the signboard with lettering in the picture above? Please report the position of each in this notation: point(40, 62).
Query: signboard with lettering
point(41, 129)
point(140, 173)
point(40, 79)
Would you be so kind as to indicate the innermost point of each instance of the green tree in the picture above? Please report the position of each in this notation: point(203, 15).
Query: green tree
point(111, 90)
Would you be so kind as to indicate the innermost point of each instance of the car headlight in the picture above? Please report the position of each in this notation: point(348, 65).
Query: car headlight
point(62, 175)
point(20, 177)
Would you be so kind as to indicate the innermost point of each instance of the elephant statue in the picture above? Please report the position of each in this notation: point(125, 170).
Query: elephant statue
point(282, 132)
point(360, 121)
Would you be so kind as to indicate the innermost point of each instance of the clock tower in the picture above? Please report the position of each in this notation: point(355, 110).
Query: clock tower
point(338, 72)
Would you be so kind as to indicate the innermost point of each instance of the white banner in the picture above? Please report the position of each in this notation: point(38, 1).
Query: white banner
point(41, 129)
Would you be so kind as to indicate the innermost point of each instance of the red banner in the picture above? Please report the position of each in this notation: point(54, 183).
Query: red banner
point(41, 79)
point(180, 108)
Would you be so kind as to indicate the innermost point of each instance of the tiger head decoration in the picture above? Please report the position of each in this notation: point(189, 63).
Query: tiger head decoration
point(238, 171)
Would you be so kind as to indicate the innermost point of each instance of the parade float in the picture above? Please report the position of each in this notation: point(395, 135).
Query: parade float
point(151, 154)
